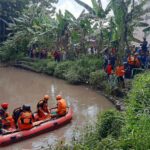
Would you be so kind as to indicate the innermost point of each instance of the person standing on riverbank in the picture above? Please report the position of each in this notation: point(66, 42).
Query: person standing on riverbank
point(120, 72)
point(144, 45)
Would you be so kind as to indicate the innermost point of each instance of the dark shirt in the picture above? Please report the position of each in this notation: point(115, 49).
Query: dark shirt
point(2, 113)
point(144, 45)
point(112, 60)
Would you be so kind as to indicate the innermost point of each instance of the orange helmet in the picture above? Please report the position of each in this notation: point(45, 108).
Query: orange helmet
point(58, 97)
point(46, 97)
point(4, 105)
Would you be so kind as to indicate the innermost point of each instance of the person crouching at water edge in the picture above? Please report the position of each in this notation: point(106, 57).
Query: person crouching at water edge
point(61, 108)
point(43, 111)
point(26, 118)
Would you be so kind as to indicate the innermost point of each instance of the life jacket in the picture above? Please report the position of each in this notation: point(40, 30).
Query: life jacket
point(25, 120)
point(42, 104)
point(41, 115)
point(8, 122)
point(43, 110)
point(6, 119)
point(120, 71)
point(61, 107)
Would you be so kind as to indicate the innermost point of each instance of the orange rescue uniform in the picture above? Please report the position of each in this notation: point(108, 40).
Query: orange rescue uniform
point(120, 71)
point(131, 60)
point(25, 120)
point(43, 110)
point(61, 107)
point(137, 62)
point(8, 122)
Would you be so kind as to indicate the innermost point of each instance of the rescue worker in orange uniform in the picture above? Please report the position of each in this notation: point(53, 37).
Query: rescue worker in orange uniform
point(109, 70)
point(137, 63)
point(130, 60)
point(6, 118)
point(25, 120)
point(61, 106)
point(43, 109)
point(120, 72)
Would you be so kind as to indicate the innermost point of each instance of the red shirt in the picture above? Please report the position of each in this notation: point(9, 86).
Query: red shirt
point(109, 69)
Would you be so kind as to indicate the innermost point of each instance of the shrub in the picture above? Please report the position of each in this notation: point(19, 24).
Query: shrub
point(72, 76)
point(86, 136)
point(50, 68)
point(62, 68)
point(108, 143)
point(92, 63)
point(136, 132)
point(14, 48)
point(83, 73)
point(139, 96)
point(38, 65)
point(110, 123)
point(97, 79)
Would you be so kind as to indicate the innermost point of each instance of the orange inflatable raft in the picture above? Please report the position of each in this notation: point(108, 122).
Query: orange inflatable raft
point(38, 128)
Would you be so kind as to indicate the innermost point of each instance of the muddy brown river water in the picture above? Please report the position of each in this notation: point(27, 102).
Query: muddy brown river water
point(18, 87)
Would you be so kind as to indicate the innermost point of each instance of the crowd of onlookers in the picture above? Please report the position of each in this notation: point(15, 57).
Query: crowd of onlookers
point(136, 59)
point(38, 53)
point(45, 53)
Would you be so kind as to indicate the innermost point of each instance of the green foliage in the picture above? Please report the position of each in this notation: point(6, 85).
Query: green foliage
point(8, 10)
point(50, 68)
point(75, 72)
point(107, 144)
point(81, 70)
point(38, 65)
point(127, 15)
point(136, 131)
point(110, 123)
point(97, 79)
point(12, 50)
point(62, 68)
point(139, 97)
point(85, 137)
point(34, 25)
point(72, 76)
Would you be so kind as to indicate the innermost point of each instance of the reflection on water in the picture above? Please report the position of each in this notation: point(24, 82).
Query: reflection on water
point(18, 87)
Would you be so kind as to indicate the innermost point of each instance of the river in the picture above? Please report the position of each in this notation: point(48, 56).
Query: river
point(18, 87)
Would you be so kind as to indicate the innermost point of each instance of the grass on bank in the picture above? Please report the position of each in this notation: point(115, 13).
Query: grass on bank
point(85, 70)
point(126, 130)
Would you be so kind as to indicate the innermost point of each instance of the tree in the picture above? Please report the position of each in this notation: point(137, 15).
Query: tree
point(128, 15)
point(8, 10)
point(34, 26)
point(99, 15)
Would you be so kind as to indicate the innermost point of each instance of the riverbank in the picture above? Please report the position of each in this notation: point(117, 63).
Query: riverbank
point(127, 130)
point(85, 71)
